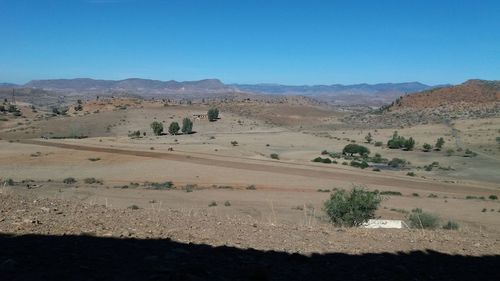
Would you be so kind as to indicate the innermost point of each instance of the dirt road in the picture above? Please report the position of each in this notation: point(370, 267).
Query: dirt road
point(332, 172)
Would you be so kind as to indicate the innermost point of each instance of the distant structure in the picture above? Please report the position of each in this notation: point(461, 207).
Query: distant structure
point(200, 116)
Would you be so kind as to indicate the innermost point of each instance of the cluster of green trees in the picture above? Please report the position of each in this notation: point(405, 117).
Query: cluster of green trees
point(173, 128)
point(398, 142)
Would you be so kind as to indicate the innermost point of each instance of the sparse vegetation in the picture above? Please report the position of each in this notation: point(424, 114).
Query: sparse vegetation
point(159, 186)
point(393, 193)
point(275, 156)
point(423, 220)
point(351, 208)
point(69, 180)
point(451, 225)
point(212, 204)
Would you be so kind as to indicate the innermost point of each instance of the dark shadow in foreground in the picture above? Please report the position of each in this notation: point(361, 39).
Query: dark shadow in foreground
point(38, 257)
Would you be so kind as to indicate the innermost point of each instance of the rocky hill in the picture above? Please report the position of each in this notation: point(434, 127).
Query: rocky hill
point(472, 93)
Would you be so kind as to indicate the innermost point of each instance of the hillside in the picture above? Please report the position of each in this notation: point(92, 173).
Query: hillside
point(472, 93)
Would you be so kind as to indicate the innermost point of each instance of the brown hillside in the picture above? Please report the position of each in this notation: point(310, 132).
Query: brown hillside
point(473, 93)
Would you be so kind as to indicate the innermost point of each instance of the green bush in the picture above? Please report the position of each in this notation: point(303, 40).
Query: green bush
point(427, 147)
point(213, 114)
point(69, 180)
point(275, 156)
point(362, 164)
point(411, 174)
point(157, 128)
point(187, 126)
point(351, 208)
point(421, 219)
point(451, 225)
point(395, 193)
point(493, 197)
point(174, 128)
point(159, 185)
point(355, 149)
point(439, 143)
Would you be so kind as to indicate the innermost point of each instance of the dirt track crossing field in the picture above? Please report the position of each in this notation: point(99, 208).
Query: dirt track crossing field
point(274, 167)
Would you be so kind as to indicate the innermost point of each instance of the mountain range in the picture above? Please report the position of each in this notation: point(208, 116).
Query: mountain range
point(213, 85)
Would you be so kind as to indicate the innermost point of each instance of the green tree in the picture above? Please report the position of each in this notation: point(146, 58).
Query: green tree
point(187, 126)
point(173, 128)
point(369, 138)
point(352, 208)
point(439, 143)
point(157, 128)
point(213, 114)
point(427, 147)
point(409, 144)
point(355, 148)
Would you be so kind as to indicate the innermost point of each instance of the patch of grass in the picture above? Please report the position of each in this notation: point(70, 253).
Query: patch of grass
point(92, 181)
point(69, 180)
point(160, 186)
point(394, 193)
point(451, 225)
point(423, 220)
point(190, 187)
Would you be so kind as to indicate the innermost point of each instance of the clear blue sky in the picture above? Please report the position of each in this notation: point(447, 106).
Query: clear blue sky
point(251, 41)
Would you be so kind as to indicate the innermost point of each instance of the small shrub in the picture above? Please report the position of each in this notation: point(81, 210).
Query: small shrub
point(157, 128)
point(493, 197)
point(394, 193)
point(234, 143)
point(94, 159)
point(275, 156)
point(432, 195)
point(362, 164)
point(351, 208)
point(397, 163)
point(174, 128)
point(415, 195)
point(91, 180)
point(212, 204)
point(420, 219)
point(484, 210)
point(427, 147)
point(160, 186)
point(411, 174)
point(451, 225)
point(227, 203)
point(323, 190)
point(10, 182)
point(378, 143)
point(376, 170)
point(133, 207)
point(69, 180)
point(251, 187)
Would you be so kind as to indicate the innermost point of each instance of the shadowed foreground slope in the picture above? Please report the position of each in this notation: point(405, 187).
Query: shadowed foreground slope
point(39, 257)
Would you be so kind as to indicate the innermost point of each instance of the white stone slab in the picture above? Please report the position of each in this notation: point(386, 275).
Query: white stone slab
point(383, 224)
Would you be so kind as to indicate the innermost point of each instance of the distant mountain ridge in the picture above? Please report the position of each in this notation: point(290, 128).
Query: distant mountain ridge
point(335, 89)
point(347, 94)
point(131, 84)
